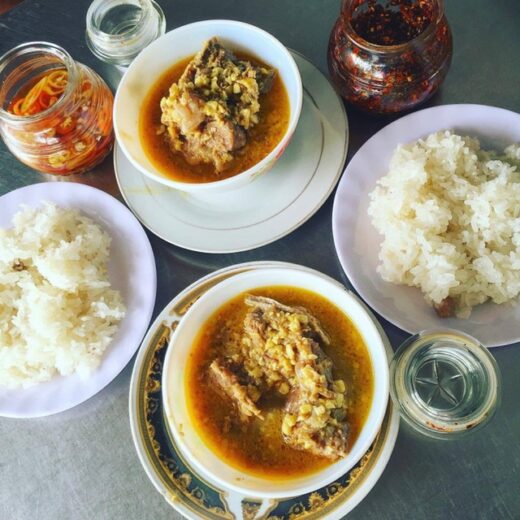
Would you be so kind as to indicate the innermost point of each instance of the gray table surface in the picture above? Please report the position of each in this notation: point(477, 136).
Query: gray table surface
point(81, 464)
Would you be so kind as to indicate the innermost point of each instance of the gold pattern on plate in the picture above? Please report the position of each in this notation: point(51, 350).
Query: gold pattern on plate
point(315, 500)
point(250, 509)
point(309, 507)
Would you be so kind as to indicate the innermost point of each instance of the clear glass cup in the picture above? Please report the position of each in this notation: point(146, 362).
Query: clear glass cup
point(118, 30)
point(445, 383)
point(70, 136)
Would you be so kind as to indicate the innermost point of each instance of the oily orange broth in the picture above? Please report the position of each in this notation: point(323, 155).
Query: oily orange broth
point(260, 449)
point(262, 138)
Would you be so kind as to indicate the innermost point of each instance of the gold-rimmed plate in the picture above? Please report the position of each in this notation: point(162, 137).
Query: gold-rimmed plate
point(180, 485)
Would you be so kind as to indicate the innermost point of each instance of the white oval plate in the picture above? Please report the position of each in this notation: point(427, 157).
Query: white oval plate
point(131, 271)
point(357, 241)
point(271, 206)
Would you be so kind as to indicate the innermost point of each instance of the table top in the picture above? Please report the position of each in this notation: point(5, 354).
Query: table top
point(82, 464)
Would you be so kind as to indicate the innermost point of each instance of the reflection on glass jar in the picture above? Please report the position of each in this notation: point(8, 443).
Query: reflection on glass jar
point(388, 56)
point(55, 113)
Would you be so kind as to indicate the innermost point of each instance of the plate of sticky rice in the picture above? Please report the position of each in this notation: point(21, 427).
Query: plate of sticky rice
point(77, 291)
point(426, 222)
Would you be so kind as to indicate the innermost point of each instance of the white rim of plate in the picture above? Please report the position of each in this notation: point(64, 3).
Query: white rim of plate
point(165, 314)
point(438, 118)
point(245, 238)
point(54, 396)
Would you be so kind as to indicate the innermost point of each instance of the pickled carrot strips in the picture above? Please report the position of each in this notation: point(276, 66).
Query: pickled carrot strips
point(57, 80)
point(80, 131)
point(17, 107)
point(42, 95)
point(86, 89)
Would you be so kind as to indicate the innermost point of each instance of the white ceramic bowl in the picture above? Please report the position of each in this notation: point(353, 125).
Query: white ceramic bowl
point(170, 49)
point(180, 425)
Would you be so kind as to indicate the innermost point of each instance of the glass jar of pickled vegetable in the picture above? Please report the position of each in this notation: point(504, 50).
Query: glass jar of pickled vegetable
point(386, 56)
point(55, 113)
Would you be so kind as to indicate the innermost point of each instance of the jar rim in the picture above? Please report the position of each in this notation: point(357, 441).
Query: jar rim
point(146, 7)
point(438, 6)
point(42, 47)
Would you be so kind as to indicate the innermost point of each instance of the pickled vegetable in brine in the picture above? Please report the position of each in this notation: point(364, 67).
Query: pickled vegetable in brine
point(68, 119)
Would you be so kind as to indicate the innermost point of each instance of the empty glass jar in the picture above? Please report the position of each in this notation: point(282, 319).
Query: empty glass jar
point(118, 30)
point(445, 383)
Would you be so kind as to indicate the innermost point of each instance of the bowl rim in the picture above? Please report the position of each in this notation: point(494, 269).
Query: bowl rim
point(377, 408)
point(274, 154)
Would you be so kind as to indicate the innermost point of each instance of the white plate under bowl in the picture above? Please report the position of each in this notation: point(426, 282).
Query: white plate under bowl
point(358, 243)
point(131, 271)
point(271, 206)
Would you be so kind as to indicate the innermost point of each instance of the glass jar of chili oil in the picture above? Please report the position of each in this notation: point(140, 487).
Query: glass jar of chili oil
point(55, 113)
point(386, 56)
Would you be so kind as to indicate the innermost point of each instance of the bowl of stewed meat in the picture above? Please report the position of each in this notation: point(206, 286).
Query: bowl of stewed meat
point(209, 106)
point(275, 382)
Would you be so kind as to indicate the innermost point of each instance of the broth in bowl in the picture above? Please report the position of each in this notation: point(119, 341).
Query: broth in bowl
point(279, 382)
point(213, 115)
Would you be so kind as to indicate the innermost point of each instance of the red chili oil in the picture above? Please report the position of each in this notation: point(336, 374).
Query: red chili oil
point(393, 23)
point(389, 56)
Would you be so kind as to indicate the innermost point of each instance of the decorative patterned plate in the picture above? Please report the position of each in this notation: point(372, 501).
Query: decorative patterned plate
point(268, 208)
point(173, 476)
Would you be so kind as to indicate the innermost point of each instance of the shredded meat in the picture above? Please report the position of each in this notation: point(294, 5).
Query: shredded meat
point(216, 100)
point(282, 352)
point(229, 382)
point(446, 309)
point(18, 265)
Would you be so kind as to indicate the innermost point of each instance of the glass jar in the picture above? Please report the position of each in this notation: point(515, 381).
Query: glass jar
point(388, 56)
point(118, 30)
point(445, 383)
point(70, 136)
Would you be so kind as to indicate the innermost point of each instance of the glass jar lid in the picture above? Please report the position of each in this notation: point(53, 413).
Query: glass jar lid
point(445, 383)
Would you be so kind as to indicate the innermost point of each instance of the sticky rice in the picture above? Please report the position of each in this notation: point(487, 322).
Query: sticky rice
point(449, 213)
point(58, 312)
